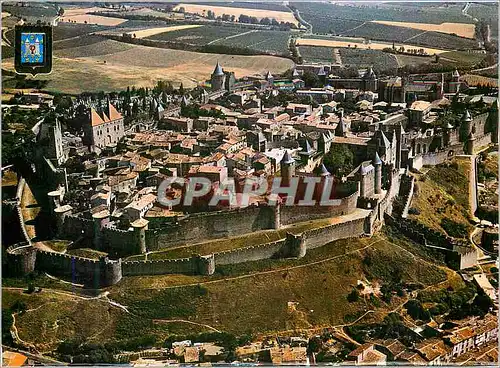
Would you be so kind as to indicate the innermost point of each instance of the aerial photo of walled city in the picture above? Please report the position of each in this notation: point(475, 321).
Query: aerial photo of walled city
point(250, 183)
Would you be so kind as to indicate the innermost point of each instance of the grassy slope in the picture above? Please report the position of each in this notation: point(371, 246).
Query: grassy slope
point(245, 299)
point(442, 194)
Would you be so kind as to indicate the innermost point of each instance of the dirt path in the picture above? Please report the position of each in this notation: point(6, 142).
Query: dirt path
point(185, 321)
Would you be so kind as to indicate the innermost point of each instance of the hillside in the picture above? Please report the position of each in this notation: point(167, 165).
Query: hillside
point(441, 193)
point(300, 294)
point(111, 65)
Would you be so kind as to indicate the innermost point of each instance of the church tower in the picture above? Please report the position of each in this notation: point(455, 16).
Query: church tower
point(218, 78)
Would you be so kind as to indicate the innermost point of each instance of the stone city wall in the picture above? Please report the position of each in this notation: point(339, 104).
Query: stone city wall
point(248, 254)
point(196, 265)
point(119, 243)
point(95, 273)
point(406, 190)
point(75, 226)
point(205, 226)
point(293, 214)
point(19, 196)
point(318, 237)
point(458, 253)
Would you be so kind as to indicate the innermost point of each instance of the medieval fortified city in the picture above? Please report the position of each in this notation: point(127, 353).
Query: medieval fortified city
point(251, 183)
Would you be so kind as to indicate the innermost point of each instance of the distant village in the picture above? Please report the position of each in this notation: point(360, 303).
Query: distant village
point(103, 157)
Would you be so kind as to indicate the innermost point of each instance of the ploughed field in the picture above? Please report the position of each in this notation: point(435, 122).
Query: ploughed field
point(111, 65)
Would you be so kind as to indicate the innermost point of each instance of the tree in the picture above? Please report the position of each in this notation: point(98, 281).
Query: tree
point(310, 79)
point(339, 161)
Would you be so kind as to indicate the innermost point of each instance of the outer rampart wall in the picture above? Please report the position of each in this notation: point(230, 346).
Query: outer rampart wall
point(91, 272)
point(248, 254)
point(322, 236)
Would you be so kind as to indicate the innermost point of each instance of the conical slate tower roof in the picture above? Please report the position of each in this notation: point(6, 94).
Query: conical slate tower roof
point(467, 116)
point(287, 158)
point(218, 70)
point(376, 159)
point(324, 171)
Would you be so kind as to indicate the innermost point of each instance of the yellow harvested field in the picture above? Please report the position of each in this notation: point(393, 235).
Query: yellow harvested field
point(93, 19)
point(81, 15)
point(280, 16)
point(360, 45)
point(460, 29)
point(153, 31)
point(71, 12)
point(143, 66)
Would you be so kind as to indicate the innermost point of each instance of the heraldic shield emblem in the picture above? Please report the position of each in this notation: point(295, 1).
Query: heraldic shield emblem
point(33, 49)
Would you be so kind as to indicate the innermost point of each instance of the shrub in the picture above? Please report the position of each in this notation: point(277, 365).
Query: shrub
point(414, 211)
point(353, 296)
point(417, 311)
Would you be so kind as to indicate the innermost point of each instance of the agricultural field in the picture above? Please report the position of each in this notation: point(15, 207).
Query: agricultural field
point(487, 12)
point(31, 12)
point(412, 60)
point(144, 33)
point(442, 40)
point(83, 16)
point(114, 65)
point(198, 36)
point(375, 31)
point(462, 58)
point(147, 12)
point(460, 29)
point(280, 16)
point(249, 5)
point(69, 30)
point(320, 15)
point(377, 59)
point(78, 41)
point(271, 42)
point(383, 32)
point(314, 54)
point(370, 46)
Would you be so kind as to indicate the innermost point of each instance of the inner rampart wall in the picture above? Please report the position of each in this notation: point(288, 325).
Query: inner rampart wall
point(292, 214)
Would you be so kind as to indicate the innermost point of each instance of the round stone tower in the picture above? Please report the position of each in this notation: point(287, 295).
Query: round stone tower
point(218, 78)
point(140, 226)
point(100, 219)
point(21, 259)
point(377, 163)
point(287, 168)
